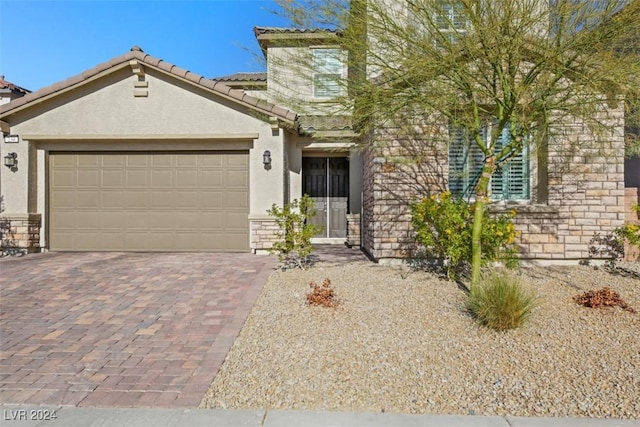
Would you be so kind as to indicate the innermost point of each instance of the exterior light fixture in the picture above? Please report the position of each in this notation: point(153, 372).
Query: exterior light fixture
point(11, 160)
point(266, 158)
point(11, 139)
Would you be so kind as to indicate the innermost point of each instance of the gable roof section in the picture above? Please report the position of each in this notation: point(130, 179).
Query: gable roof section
point(283, 36)
point(10, 87)
point(137, 54)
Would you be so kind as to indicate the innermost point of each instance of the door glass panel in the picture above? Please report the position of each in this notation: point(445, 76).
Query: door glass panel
point(314, 183)
point(326, 181)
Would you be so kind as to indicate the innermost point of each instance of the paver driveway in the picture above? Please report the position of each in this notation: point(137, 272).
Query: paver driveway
point(115, 329)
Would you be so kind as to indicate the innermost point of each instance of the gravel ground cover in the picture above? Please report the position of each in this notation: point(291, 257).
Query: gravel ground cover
point(403, 342)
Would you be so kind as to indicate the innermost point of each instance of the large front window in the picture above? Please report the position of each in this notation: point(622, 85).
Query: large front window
point(328, 68)
point(509, 182)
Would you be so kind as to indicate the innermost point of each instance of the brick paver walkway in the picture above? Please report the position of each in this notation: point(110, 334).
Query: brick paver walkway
point(125, 330)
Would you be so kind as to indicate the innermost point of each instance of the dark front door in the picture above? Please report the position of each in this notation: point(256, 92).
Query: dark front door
point(326, 181)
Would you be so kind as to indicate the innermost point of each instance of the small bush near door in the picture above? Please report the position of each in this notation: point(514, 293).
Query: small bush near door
point(294, 244)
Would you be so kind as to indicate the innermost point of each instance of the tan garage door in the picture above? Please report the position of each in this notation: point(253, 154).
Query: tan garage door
point(151, 201)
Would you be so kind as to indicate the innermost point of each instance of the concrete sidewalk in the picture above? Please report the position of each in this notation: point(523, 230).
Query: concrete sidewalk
point(50, 416)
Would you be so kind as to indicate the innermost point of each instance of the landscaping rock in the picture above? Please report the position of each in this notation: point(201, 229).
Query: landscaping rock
point(405, 343)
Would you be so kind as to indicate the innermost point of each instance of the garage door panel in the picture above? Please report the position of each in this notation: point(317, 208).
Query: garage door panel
point(213, 221)
point(136, 199)
point(64, 220)
point(211, 179)
point(112, 179)
point(239, 161)
point(63, 199)
point(162, 161)
point(89, 160)
point(186, 161)
point(186, 198)
point(238, 199)
point(162, 200)
point(113, 161)
point(211, 199)
point(187, 178)
point(113, 199)
point(113, 220)
point(62, 160)
point(137, 178)
point(86, 221)
point(63, 178)
point(161, 178)
point(237, 179)
point(88, 178)
point(184, 220)
point(153, 201)
point(87, 199)
point(234, 220)
point(160, 220)
point(113, 241)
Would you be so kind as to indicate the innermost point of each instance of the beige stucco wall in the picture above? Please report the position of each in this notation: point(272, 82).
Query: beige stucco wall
point(290, 84)
point(105, 115)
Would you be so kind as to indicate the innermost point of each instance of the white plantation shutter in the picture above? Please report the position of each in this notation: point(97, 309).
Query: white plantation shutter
point(509, 182)
point(328, 67)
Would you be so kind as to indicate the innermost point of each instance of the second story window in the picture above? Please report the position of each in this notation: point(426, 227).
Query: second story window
point(450, 16)
point(327, 73)
point(440, 20)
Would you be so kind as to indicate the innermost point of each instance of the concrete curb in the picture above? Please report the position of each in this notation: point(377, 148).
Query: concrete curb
point(50, 416)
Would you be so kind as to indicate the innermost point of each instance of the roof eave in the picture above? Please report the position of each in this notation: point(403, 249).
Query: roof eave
point(138, 57)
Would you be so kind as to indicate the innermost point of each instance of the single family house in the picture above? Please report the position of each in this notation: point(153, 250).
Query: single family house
point(138, 154)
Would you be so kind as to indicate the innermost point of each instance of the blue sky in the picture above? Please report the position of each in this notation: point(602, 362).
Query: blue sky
point(45, 41)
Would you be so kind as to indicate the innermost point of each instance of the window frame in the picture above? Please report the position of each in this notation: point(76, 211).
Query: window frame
point(510, 182)
point(332, 69)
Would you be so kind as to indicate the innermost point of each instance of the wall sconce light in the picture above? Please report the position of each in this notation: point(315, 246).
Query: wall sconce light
point(11, 139)
point(11, 160)
point(266, 159)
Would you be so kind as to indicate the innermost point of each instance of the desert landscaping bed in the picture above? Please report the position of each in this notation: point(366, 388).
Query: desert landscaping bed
point(404, 343)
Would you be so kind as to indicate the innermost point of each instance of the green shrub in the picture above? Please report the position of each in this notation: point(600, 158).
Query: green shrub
point(294, 245)
point(500, 301)
point(443, 225)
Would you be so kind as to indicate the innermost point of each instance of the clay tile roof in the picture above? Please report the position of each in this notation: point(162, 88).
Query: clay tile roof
point(310, 125)
point(242, 77)
point(4, 84)
point(258, 31)
point(138, 54)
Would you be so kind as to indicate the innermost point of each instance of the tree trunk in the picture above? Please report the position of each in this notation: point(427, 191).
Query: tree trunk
point(482, 202)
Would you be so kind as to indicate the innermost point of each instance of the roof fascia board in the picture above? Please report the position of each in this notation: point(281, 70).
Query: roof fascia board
point(138, 66)
point(66, 89)
point(264, 113)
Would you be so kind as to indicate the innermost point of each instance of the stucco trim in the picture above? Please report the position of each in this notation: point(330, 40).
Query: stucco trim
point(4, 127)
point(160, 137)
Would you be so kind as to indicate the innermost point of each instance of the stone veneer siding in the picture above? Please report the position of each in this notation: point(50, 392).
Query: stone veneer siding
point(353, 230)
point(390, 182)
point(20, 232)
point(580, 193)
point(264, 233)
